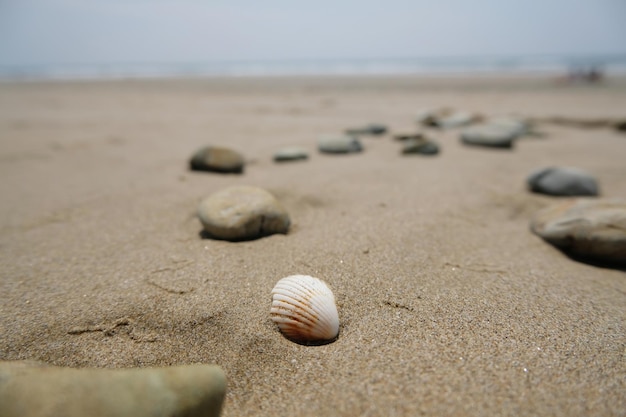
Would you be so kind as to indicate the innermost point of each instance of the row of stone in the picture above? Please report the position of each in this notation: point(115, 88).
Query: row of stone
point(594, 229)
point(500, 133)
point(241, 213)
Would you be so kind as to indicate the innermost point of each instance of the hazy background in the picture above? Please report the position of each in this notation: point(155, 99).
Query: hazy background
point(47, 33)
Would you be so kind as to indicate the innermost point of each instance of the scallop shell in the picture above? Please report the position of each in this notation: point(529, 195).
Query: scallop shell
point(304, 309)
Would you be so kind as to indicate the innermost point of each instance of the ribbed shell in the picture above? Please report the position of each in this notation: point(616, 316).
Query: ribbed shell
point(304, 309)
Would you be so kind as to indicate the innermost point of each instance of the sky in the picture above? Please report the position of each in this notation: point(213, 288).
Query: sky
point(35, 32)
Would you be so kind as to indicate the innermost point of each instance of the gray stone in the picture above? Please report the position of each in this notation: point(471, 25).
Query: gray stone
point(446, 118)
point(408, 136)
point(518, 126)
point(563, 181)
point(492, 136)
point(217, 159)
point(454, 119)
point(32, 389)
point(594, 229)
point(339, 144)
point(420, 146)
point(242, 213)
point(290, 154)
point(373, 129)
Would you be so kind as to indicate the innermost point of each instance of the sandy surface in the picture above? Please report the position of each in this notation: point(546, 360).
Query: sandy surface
point(449, 305)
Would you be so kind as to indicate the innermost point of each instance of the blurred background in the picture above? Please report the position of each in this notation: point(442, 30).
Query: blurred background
point(156, 38)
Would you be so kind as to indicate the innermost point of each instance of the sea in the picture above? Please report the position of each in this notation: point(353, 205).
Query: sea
point(566, 65)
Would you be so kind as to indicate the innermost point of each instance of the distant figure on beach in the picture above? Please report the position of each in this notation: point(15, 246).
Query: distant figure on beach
point(577, 75)
point(594, 75)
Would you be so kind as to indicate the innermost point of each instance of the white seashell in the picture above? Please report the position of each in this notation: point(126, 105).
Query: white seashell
point(304, 309)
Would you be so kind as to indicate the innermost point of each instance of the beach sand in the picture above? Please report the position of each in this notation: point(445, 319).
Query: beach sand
point(448, 304)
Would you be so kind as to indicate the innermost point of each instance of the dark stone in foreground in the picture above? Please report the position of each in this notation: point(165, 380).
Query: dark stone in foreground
point(217, 159)
point(242, 213)
point(339, 144)
point(32, 389)
point(593, 229)
point(562, 182)
point(420, 146)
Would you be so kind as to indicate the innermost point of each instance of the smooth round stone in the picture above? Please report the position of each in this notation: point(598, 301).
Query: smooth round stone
point(420, 146)
point(373, 129)
point(217, 159)
point(32, 389)
point(562, 182)
point(290, 154)
point(339, 144)
point(242, 213)
point(594, 229)
point(490, 136)
point(456, 119)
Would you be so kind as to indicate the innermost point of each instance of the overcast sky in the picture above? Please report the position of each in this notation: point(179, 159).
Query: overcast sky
point(113, 31)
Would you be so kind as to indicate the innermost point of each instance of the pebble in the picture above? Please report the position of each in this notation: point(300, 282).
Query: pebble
point(518, 126)
point(373, 129)
point(290, 154)
point(456, 119)
point(408, 136)
point(563, 181)
point(242, 213)
point(446, 119)
point(594, 229)
point(34, 389)
point(217, 159)
point(420, 146)
point(339, 144)
point(489, 135)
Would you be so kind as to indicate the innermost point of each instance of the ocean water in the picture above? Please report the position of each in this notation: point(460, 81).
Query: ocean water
point(554, 64)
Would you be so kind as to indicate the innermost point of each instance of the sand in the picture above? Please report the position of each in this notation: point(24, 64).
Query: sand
point(449, 305)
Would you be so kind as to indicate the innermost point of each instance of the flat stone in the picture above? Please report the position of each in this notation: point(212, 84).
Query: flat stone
point(373, 129)
point(408, 136)
point(564, 181)
point(446, 118)
point(518, 126)
point(454, 119)
point(242, 213)
point(32, 389)
point(291, 154)
point(217, 159)
point(420, 146)
point(339, 144)
point(594, 229)
point(487, 135)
